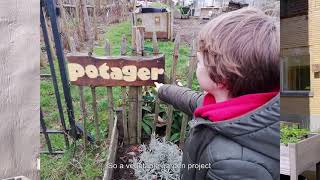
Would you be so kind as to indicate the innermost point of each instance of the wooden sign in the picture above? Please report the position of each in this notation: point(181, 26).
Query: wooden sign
point(115, 70)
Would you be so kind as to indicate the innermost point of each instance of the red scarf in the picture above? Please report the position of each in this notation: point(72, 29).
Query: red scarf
point(232, 108)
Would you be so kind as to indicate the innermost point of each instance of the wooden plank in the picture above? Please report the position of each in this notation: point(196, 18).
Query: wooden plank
point(118, 113)
point(293, 162)
point(132, 96)
point(132, 115)
point(139, 114)
point(107, 48)
point(307, 153)
point(299, 157)
point(284, 160)
point(155, 44)
point(140, 99)
point(140, 50)
point(134, 111)
point(172, 81)
point(109, 94)
point(83, 116)
point(18, 178)
point(124, 95)
point(192, 67)
point(110, 110)
point(95, 113)
point(157, 101)
point(112, 151)
point(115, 71)
point(80, 20)
point(69, 6)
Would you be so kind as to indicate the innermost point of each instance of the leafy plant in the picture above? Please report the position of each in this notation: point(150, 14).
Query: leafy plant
point(292, 134)
point(148, 116)
point(159, 160)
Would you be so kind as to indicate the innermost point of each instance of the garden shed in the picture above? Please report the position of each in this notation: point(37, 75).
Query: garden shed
point(157, 20)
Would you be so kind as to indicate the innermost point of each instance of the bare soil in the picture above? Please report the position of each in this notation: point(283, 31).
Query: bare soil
point(188, 28)
point(123, 158)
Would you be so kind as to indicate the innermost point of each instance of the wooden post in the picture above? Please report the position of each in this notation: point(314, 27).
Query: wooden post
point(135, 97)
point(155, 43)
point(95, 112)
point(72, 45)
point(110, 110)
point(124, 95)
point(112, 151)
point(140, 47)
point(132, 115)
point(95, 21)
point(84, 116)
point(293, 161)
point(107, 48)
point(82, 101)
point(157, 101)
point(171, 20)
point(80, 19)
point(66, 28)
point(109, 95)
point(132, 98)
point(192, 66)
point(172, 81)
point(86, 24)
point(77, 15)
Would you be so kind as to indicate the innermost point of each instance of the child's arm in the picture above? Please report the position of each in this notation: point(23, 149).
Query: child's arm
point(181, 98)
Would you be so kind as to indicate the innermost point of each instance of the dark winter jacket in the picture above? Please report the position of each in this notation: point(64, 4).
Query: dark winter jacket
point(242, 148)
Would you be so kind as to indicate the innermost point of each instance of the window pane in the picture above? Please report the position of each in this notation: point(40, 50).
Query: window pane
point(296, 71)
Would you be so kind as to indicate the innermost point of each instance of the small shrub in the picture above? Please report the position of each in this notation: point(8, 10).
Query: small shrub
point(159, 160)
point(292, 134)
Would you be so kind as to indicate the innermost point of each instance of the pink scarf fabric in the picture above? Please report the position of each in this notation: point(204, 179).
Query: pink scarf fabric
point(232, 108)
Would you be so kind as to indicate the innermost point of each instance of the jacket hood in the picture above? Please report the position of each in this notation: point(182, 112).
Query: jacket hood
point(258, 130)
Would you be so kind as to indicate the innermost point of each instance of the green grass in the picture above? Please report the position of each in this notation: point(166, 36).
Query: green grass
point(89, 164)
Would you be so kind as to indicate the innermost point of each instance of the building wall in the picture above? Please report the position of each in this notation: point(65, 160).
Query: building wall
point(295, 109)
point(294, 41)
point(294, 32)
point(297, 34)
point(314, 43)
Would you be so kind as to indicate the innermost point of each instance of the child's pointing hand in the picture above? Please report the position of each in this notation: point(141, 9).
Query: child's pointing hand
point(158, 85)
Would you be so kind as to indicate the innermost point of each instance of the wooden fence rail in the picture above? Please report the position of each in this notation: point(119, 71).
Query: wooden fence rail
point(192, 67)
point(172, 81)
point(131, 99)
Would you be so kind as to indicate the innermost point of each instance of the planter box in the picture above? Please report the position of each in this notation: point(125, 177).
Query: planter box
point(299, 157)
